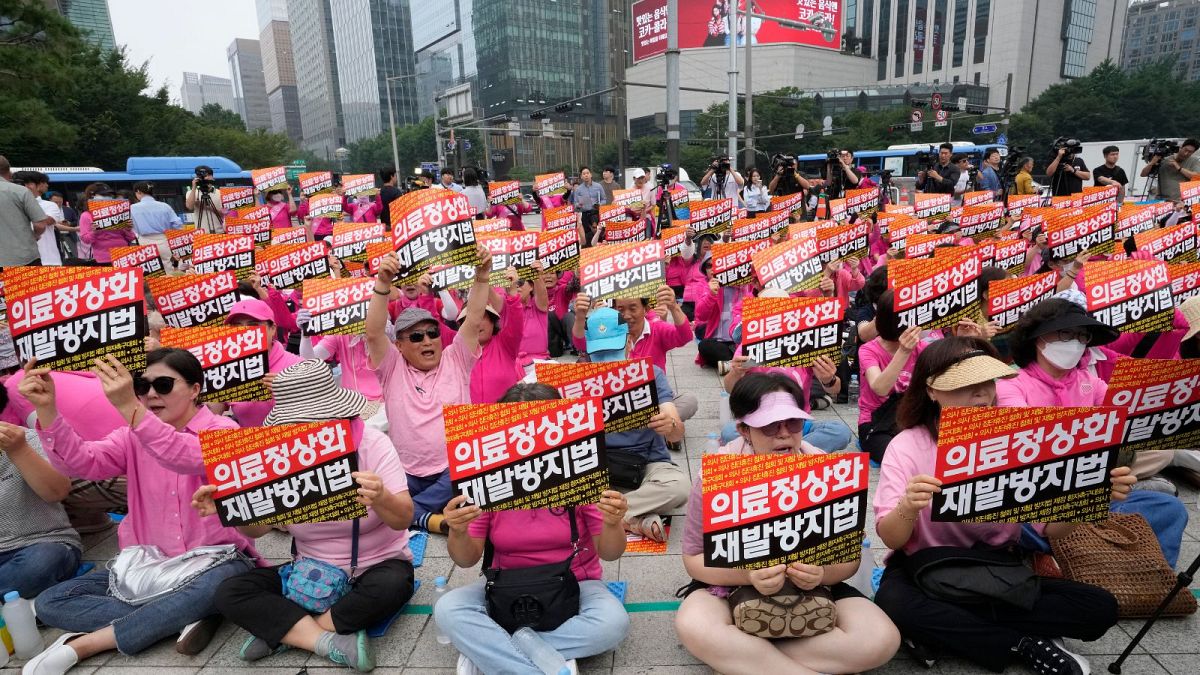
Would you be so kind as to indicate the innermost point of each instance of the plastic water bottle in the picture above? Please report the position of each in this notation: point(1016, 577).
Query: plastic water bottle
point(546, 658)
point(863, 579)
point(723, 409)
point(712, 443)
point(18, 615)
point(440, 590)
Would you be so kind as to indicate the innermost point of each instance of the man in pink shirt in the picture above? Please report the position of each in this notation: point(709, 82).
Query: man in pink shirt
point(419, 376)
point(252, 312)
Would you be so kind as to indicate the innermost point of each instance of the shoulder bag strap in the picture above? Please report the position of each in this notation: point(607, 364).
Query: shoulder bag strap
point(1145, 345)
point(354, 548)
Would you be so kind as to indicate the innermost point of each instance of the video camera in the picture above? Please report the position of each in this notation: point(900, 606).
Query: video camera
point(720, 165)
point(666, 175)
point(1072, 145)
point(204, 180)
point(414, 183)
point(1158, 147)
point(926, 158)
point(788, 162)
point(1012, 162)
point(832, 154)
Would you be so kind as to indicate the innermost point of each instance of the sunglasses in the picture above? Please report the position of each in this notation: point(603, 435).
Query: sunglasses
point(419, 336)
point(794, 426)
point(162, 385)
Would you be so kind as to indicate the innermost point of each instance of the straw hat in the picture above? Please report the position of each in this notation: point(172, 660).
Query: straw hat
point(307, 392)
point(1191, 311)
point(973, 367)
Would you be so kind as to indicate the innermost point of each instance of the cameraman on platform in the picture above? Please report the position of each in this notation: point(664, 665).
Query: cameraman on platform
point(846, 178)
point(721, 181)
point(1172, 171)
point(1109, 173)
point(203, 199)
point(1066, 171)
point(941, 177)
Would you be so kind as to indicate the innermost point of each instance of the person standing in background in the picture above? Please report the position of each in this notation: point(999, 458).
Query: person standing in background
point(151, 220)
point(100, 243)
point(387, 194)
point(608, 184)
point(37, 183)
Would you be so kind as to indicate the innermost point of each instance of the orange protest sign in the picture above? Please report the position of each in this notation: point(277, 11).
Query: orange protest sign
point(266, 180)
point(180, 242)
point(511, 249)
point(559, 249)
point(1132, 219)
point(863, 202)
point(1175, 244)
point(287, 265)
point(432, 228)
point(326, 205)
point(626, 230)
point(980, 221)
point(630, 199)
point(251, 221)
point(288, 235)
point(1131, 295)
point(732, 262)
point(559, 218)
point(1161, 398)
point(932, 207)
point(786, 332)
point(626, 388)
point(236, 197)
point(938, 292)
point(1075, 232)
point(547, 184)
point(843, 242)
point(110, 214)
point(622, 270)
point(673, 239)
point(791, 266)
point(234, 360)
point(922, 245)
point(314, 183)
point(350, 240)
point(337, 306)
point(711, 216)
point(220, 252)
point(1009, 299)
point(145, 257)
point(194, 299)
point(1185, 281)
point(359, 184)
point(504, 192)
point(1017, 203)
point(978, 198)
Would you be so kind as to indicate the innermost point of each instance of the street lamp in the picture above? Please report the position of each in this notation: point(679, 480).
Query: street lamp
point(392, 117)
point(341, 154)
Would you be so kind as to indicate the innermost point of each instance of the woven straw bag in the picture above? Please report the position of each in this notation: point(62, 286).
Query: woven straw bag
point(1122, 556)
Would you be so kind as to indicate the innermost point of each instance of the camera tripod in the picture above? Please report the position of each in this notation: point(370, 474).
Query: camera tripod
point(207, 212)
point(666, 210)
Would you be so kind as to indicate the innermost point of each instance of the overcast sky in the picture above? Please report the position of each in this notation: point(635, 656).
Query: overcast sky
point(181, 35)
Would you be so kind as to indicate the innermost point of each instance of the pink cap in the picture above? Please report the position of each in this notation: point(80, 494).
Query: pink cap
point(252, 307)
point(774, 407)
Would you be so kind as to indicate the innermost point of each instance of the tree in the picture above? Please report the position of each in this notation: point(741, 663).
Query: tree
point(214, 115)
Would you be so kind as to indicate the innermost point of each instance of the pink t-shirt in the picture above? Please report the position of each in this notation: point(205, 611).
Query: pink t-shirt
point(525, 538)
point(1034, 387)
point(874, 354)
point(910, 453)
point(252, 413)
point(414, 400)
point(103, 241)
point(80, 400)
point(377, 541)
point(561, 297)
point(281, 214)
point(535, 336)
point(350, 351)
point(498, 369)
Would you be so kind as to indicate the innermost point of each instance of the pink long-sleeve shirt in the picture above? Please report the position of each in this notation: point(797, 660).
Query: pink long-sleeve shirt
point(103, 241)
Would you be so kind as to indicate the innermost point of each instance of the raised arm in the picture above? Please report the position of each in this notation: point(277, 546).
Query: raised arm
point(378, 343)
point(477, 300)
point(49, 485)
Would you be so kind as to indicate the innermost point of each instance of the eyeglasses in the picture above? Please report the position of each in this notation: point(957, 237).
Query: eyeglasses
point(1067, 335)
point(794, 426)
point(419, 336)
point(162, 385)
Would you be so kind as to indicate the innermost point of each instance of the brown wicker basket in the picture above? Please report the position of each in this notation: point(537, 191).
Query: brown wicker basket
point(1122, 556)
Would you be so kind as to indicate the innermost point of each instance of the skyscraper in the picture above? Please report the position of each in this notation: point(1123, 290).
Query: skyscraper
point(89, 16)
point(199, 90)
point(279, 71)
point(445, 48)
point(373, 41)
point(1155, 31)
point(317, 76)
point(249, 89)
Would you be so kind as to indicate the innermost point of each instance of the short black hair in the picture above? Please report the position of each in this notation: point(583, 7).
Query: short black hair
point(610, 170)
point(585, 166)
point(958, 157)
point(1109, 148)
point(946, 146)
point(529, 391)
point(887, 321)
point(144, 187)
point(749, 391)
point(1192, 142)
point(386, 174)
point(876, 284)
point(29, 176)
point(989, 274)
point(447, 170)
point(989, 152)
point(179, 360)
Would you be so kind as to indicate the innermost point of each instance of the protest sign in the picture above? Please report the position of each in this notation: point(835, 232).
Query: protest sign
point(266, 180)
point(918, 246)
point(791, 266)
point(338, 306)
point(1185, 281)
point(786, 332)
point(673, 239)
point(933, 207)
point(766, 510)
point(680, 200)
point(609, 213)
point(547, 184)
point(938, 292)
point(1009, 299)
point(110, 214)
point(236, 197)
point(286, 474)
point(527, 455)
point(624, 270)
point(792, 205)
point(1010, 255)
point(180, 243)
point(431, 227)
point(750, 229)
point(733, 262)
point(837, 210)
point(145, 257)
point(1132, 219)
point(287, 265)
point(1017, 203)
point(314, 183)
point(843, 242)
point(905, 209)
point(326, 205)
point(1026, 465)
point(349, 240)
point(630, 199)
point(711, 216)
point(1070, 234)
point(559, 218)
point(979, 197)
point(234, 360)
point(490, 225)
point(359, 184)
point(288, 235)
point(902, 227)
point(511, 249)
point(251, 221)
point(863, 202)
point(194, 299)
point(1189, 192)
point(67, 317)
point(626, 230)
point(1175, 244)
point(1133, 296)
point(627, 388)
point(1098, 194)
point(807, 229)
point(443, 277)
point(558, 249)
point(980, 221)
point(1162, 400)
point(504, 192)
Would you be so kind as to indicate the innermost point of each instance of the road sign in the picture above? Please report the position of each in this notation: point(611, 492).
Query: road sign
point(916, 126)
point(935, 101)
point(1002, 139)
point(979, 129)
point(450, 145)
point(466, 144)
point(429, 167)
point(917, 116)
point(942, 116)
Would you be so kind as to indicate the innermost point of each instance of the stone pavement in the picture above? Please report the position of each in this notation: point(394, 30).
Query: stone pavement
point(651, 647)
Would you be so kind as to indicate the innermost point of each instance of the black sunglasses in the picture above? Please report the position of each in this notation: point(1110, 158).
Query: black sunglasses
point(794, 426)
point(419, 336)
point(162, 385)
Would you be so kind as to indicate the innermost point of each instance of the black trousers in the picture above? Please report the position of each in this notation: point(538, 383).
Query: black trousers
point(714, 351)
point(558, 337)
point(985, 634)
point(255, 601)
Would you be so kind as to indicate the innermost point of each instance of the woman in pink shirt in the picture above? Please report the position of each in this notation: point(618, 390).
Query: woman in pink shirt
point(500, 338)
point(526, 538)
point(159, 451)
point(364, 209)
point(960, 371)
point(281, 206)
point(254, 312)
point(535, 308)
point(101, 241)
point(372, 550)
point(885, 366)
point(770, 416)
point(513, 213)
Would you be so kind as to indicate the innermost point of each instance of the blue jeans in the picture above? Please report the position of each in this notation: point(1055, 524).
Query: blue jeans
point(429, 495)
point(830, 436)
point(462, 614)
point(34, 568)
point(84, 605)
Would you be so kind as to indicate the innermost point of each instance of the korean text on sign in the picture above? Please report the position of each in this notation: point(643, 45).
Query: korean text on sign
point(234, 360)
point(1162, 399)
point(431, 227)
point(625, 270)
point(782, 332)
point(627, 389)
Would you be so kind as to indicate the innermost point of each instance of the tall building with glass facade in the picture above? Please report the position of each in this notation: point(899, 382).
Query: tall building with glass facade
point(1160, 30)
point(249, 89)
point(199, 90)
point(444, 41)
point(90, 17)
point(279, 68)
point(373, 41)
point(317, 76)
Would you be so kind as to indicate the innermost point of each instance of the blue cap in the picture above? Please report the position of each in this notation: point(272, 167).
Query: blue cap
point(605, 331)
point(11, 596)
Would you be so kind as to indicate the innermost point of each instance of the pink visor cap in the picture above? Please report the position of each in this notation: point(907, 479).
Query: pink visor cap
point(774, 407)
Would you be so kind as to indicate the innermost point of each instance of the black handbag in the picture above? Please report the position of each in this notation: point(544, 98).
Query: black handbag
point(626, 469)
point(541, 597)
point(974, 576)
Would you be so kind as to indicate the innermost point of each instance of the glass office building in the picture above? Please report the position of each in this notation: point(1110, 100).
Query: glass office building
point(374, 42)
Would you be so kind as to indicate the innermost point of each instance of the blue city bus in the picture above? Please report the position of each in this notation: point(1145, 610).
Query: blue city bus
point(901, 160)
point(171, 176)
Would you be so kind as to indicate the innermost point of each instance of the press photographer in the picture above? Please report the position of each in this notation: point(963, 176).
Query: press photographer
point(1109, 173)
point(1173, 164)
point(785, 178)
point(1066, 171)
point(968, 176)
point(722, 181)
point(941, 177)
point(840, 173)
point(203, 199)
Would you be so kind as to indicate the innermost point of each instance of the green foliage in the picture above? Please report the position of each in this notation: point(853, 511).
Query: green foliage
point(215, 116)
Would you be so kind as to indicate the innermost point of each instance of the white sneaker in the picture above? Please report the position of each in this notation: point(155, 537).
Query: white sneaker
point(56, 659)
point(465, 667)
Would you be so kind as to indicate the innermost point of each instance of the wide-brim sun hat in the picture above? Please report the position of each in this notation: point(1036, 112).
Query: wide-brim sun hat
point(1076, 317)
point(307, 392)
point(1191, 311)
point(974, 367)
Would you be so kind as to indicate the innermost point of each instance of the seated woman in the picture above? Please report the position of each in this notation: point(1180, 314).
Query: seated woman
point(962, 371)
point(885, 366)
point(770, 416)
point(382, 580)
point(525, 538)
point(159, 452)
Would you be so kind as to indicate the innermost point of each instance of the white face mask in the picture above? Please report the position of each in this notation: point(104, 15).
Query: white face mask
point(1064, 355)
point(276, 198)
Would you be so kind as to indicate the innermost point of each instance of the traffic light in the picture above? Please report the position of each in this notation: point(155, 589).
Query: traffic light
point(537, 115)
point(976, 109)
point(563, 107)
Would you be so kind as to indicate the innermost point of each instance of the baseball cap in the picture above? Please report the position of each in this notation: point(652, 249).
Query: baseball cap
point(638, 173)
point(605, 330)
point(253, 308)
